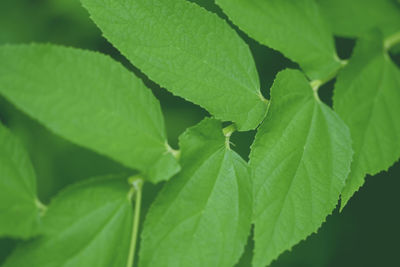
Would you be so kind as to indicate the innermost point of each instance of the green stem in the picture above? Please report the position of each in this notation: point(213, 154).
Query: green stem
point(137, 184)
point(228, 131)
point(42, 208)
point(175, 153)
point(388, 44)
point(391, 41)
point(263, 99)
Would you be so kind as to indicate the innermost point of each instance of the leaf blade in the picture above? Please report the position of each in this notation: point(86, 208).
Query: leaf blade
point(19, 213)
point(357, 17)
point(189, 51)
point(366, 97)
point(91, 100)
point(85, 225)
point(300, 159)
point(203, 215)
point(295, 28)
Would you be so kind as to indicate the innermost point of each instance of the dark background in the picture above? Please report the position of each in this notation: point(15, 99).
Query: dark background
point(366, 233)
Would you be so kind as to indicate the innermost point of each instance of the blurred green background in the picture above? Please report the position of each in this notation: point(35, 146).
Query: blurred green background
point(366, 233)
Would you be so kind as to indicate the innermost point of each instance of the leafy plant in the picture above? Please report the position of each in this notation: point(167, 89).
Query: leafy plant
point(304, 158)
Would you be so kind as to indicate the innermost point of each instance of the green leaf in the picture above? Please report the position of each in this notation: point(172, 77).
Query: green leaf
point(189, 51)
point(91, 100)
point(88, 224)
point(301, 158)
point(354, 18)
point(293, 27)
point(19, 207)
point(367, 98)
point(201, 217)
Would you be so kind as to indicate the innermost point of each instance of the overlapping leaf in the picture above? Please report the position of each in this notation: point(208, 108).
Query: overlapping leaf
point(354, 18)
point(191, 52)
point(91, 100)
point(88, 224)
point(19, 210)
point(201, 217)
point(293, 27)
point(367, 98)
point(301, 158)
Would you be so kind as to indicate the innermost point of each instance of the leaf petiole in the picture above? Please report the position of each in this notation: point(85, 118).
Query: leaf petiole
point(228, 131)
point(136, 190)
point(173, 152)
point(391, 41)
point(42, 208)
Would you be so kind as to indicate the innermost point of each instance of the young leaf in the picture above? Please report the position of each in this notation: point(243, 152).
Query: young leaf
point(19, 207)
point(301, 158)
point(367, 98)
point(293, 27)
point(191, 52)
point(90, 99)
point(354, 18)
point(201, 217)
point(88, 224)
